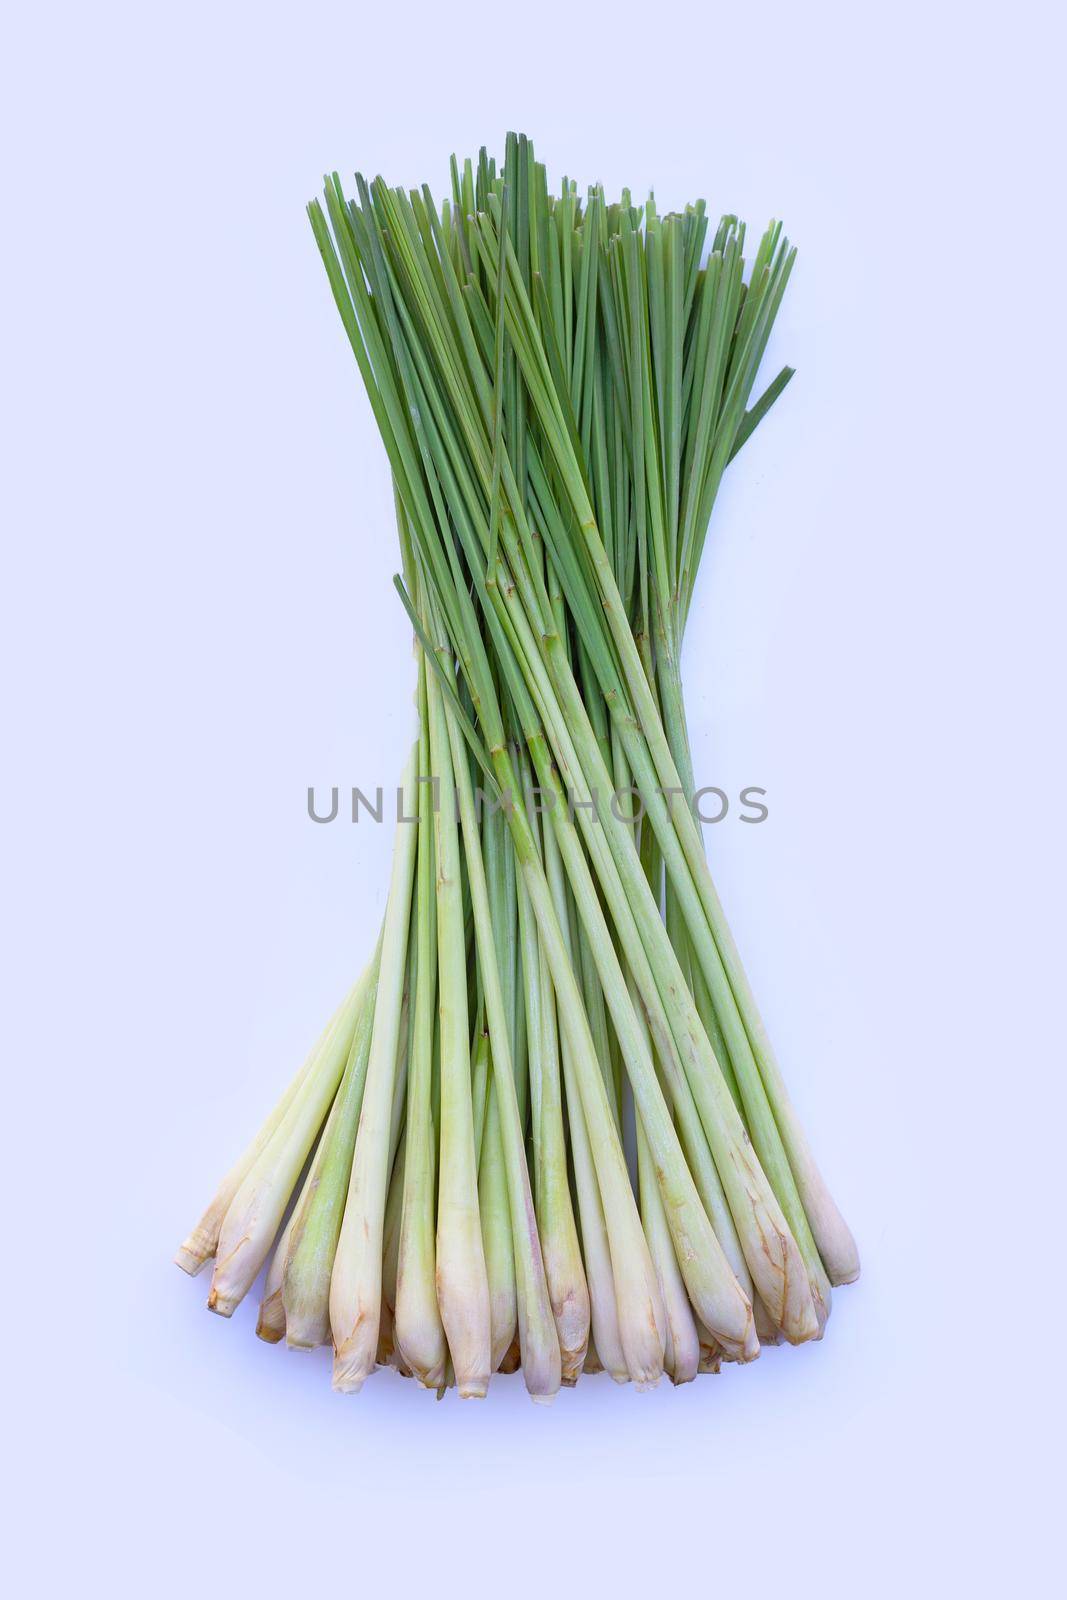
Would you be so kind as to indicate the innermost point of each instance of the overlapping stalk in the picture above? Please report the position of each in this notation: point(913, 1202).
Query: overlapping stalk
point(559, 386)
point(419, 1332)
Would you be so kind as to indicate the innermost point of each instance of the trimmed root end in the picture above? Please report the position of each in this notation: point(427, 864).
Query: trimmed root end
point(347, 1379)
point(190, 1258)
point(572, 1366)
point(306, 1333)
point(803, 1318)
point(836, 1246)
point(270, 1324)
point(740, 1350)
point(474, 1389)
point(822, 1307)
point(429, 1380)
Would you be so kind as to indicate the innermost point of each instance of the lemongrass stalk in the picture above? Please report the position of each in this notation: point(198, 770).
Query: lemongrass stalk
point(496, 1235)
point(305, 1326)
point(419, 1332)
point(512, 977)
point(681, 1355)
point(595, 1245)
point(389, 1352)
point(356, 1281)
point(605, 1337)
point(462, 1282)
point(396, 1158)
point(564, 1274)
point(479, 1078)
point(400, 1086)
point(250, 1224)
point(270, 1324)
point(299, 1330)
point(682, 1352)
point(308, 1265)
point(605, 1319)
point(202, 1243)
point(593, 996)
point(536, 1326)
point(500, 875)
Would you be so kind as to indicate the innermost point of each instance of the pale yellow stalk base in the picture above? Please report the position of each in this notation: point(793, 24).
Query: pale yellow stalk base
point(463, 1296)
point(765, 1327)
point(571, 1312)
point(270, 1324)
point(198, 1249)
point(356, 1279)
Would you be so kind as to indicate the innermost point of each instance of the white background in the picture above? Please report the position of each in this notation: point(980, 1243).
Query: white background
point(198, 623)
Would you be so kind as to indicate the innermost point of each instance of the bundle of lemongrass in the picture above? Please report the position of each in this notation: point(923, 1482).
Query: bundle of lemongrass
point(546, 1127)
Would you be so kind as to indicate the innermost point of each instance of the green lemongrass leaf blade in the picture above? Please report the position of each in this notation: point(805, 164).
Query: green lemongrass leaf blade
point(755, 414)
